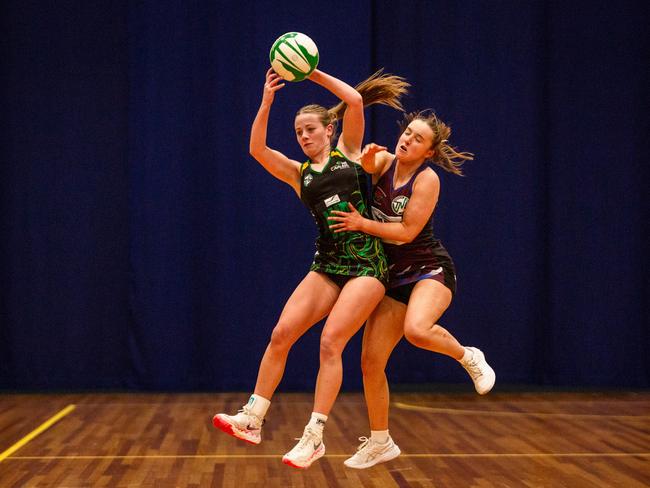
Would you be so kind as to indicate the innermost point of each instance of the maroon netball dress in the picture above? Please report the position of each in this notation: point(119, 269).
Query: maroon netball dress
point(423, 258)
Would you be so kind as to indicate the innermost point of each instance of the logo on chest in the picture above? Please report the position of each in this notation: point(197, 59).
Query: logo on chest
point(399, 204)
point(340, 165)
point(331, 200)
point(307, 179)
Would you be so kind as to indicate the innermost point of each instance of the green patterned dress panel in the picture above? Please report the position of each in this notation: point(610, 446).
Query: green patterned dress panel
point(344, 253)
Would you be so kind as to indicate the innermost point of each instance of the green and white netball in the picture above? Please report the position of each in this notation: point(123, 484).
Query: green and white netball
point(294, 56)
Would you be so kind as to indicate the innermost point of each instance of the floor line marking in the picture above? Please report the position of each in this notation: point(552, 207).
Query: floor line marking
point(37, 431)
point(403, 455)
point(453, 411)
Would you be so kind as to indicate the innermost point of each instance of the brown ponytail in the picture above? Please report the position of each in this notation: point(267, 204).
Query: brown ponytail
point(379, 88)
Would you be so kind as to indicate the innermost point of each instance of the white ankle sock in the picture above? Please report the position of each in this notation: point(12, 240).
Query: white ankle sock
point(469, 354)
point(379, 436)
point(317, 421)
point(258, 405)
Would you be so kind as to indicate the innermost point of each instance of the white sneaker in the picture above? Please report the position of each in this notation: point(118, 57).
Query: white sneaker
point(479, 370)
point(309, 449)
point(371, 452)
point(245, 425)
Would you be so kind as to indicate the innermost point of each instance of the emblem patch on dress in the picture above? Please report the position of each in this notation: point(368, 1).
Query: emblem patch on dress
point(331, 200)
point(399, 204)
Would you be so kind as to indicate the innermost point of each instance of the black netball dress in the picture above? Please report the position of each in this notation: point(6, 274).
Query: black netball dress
point(345, 253)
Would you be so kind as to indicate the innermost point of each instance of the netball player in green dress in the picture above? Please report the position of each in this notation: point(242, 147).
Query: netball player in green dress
point(346, 279)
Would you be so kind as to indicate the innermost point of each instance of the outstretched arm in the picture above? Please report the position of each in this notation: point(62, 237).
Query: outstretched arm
point(353, 124)
point(276, 163)
point(418, 210)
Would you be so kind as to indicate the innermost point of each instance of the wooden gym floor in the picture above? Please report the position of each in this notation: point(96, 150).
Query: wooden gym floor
point(535, 440)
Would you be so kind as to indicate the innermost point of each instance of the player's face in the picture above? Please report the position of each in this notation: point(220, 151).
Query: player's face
point(414, 145)
point(311, 134)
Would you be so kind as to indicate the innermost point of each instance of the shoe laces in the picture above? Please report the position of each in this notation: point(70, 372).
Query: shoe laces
point(309, 435)
point(246, 410)
point(364, 443)
point(473, 366)
point(368, 449)
point(474, 369)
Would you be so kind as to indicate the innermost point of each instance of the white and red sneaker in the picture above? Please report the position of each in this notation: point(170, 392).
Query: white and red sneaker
point(309, 448)
point(244, 425)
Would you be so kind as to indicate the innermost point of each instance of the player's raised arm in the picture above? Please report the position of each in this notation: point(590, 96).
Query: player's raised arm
point(274, 162)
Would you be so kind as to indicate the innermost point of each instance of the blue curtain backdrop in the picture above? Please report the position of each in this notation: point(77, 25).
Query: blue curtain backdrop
point(142, 247)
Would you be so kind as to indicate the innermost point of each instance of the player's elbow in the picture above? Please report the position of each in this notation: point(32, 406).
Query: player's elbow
point(408, 239)
point(255, 151)
point(409, 235)
point(355, 100)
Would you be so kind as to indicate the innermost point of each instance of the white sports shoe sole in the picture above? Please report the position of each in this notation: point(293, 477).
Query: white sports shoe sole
point(220, 421)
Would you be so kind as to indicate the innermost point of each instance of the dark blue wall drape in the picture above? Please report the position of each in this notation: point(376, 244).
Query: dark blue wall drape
point(142, 247)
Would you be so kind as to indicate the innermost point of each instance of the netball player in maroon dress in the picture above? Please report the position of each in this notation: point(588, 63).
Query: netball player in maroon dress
point(422, 278)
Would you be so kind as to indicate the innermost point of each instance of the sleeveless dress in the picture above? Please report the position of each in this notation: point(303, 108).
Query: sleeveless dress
point(344, 253)
point(424, 257)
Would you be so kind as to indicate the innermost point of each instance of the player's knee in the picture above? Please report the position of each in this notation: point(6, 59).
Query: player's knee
point(416, 334)
point(424, 336)
point(331, 346)
point(372, 366)
point(282, 336)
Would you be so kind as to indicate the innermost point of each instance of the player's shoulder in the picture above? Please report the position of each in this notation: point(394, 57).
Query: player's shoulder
point(384, 161)
point(340, 152)
point(385, 158)
point(427, 178)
